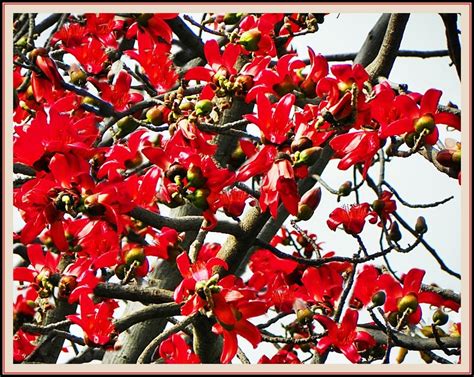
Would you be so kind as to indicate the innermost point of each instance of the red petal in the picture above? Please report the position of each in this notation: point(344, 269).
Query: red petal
point(448, 119)
point(229, 347)
point(429, 102)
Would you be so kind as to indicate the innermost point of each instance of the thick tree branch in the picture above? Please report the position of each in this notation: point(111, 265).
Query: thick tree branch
point(383, 63)
point(146, 295)
point(372, 43)
point(452, 37)
point(182, 224)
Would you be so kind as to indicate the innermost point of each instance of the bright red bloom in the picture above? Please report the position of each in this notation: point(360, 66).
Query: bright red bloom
point(411, 286)
point(104, 27)
point(283, 356)
point(232, 321)
point(279, 184)
point(356, 147)
point(221, 65)
point(366, 284)
point(233, 202)
point(96, 321)
point(284, 79)
point(175, 350)
point(273, 120)
point(117, 94)
point(409, 114)
point(384, 207)
point(91, 55)
point(344, 337)
point(154, 25)
point(155, 61)
point(325, 283)
point(43, 266)
point(200, 271)
point(23, 345)
point(263, 26)
point(24, 307)
point(352, 218)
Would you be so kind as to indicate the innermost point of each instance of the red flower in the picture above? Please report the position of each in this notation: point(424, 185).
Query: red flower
point(409, 295)
point(232, 321)
point(284, 79)
point(325, 283)
point(221, 66)
point(91, 55)
point(154, 25)
point(23, 345)
point(257, 33)
point(344, 337)
point(175, 350)
point(416, 119)
point(273, 120)
point(384, 206)
point(352, 218)
point(24, 307)
point(43, 266)
point(95, 320)
point(155, 62)
point(283, 356)
point(366, 284)
point(356, 147)
point(118, 93)
point(279, 184)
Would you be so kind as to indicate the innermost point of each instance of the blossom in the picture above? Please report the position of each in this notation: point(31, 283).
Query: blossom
point(411, 294)
point(412, 118)
point(23, 345)
point(356, 147)
point(273, 120)
point(352, 218)
point(175, 350)
point(283, 356)
point(344, 337)
point(90, 54)
point(279, 184)
point(95, 321)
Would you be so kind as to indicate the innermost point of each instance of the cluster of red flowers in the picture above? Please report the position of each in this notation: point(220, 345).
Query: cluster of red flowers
point(77, 205)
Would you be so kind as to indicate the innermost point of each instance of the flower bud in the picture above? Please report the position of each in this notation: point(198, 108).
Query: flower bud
point(304, 315)
point(402, 352)
point(174, 171)
point(456, 157)
point(440, 318)
point(301, 144)
point(203, 107)
point(232, 18)
point(250, 39)
point(394, 233)
point(135, 254)
point(420, 226)
point(378, 205)
point(426, 122)
point(308, 87)
point(408, 301)
point(78, 76)
point(126, 126)
point(345, 189)
point(308, 203)
point(199, 198)
point(66, 285)
point(445, 158)
point(195, 176)
point(378, 299)
point(155, 115)
point(409, 139)
point(309, 156)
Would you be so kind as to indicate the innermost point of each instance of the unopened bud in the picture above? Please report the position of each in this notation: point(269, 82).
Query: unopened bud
point(250, 39)
point(394, 233)
point(345, 189)
point(308, 203)
point(203, 107)
point(420, 225)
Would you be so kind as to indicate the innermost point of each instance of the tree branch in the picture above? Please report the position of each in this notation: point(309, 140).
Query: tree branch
point(383, 63)
point(146, 295)
point(452, 37)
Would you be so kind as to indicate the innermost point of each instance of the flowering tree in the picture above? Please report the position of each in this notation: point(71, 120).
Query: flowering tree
point(135, 143)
